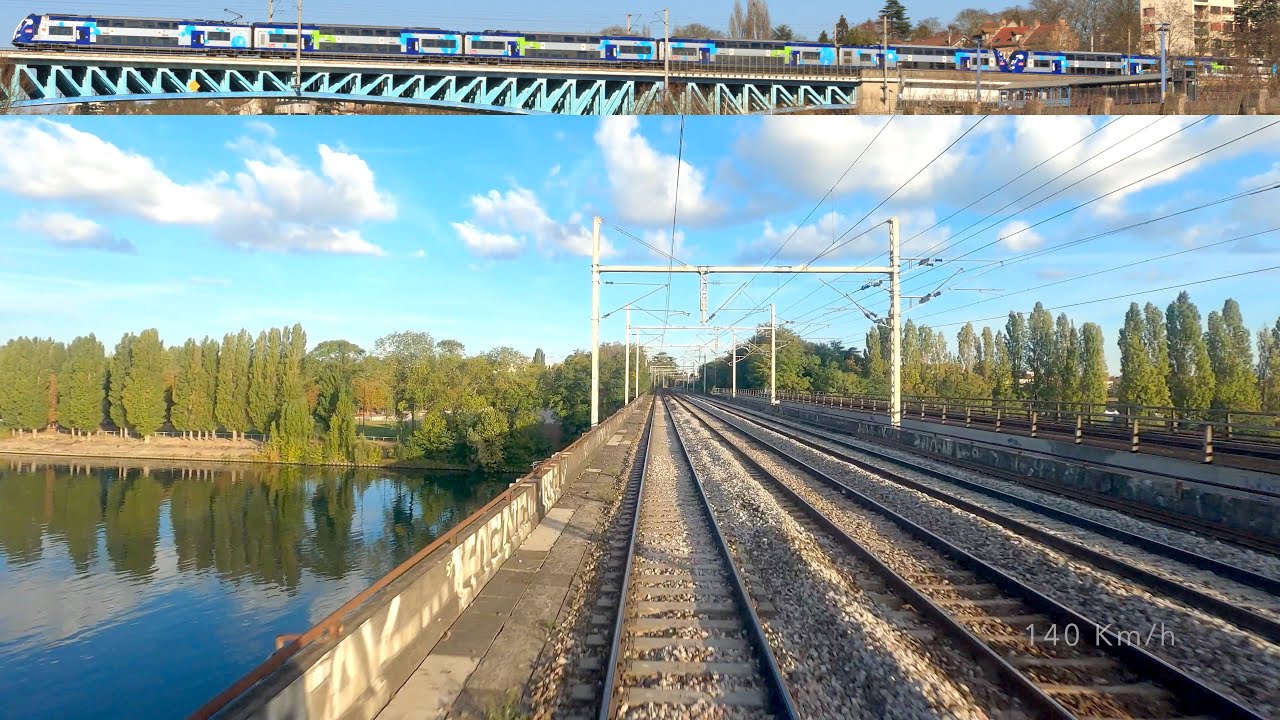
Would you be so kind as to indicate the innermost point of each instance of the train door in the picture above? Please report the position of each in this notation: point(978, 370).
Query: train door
point(704, 54)
point(795, 58)
point(308, 44)
point(83, 35)
point(1057, 66)
point(411, 46)
point(197, 38)
point(513, 48)
point(610, 51)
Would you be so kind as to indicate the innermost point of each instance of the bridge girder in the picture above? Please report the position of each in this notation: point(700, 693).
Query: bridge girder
point(62, 79)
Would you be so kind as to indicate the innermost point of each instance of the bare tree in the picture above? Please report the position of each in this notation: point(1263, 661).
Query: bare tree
point(737, 21)
point(758, 24)
point(8, 86)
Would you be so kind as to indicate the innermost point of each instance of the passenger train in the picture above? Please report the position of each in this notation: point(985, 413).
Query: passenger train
point(82, 32)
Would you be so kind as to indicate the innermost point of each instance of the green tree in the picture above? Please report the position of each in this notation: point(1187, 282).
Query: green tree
point(1191, 380)
point(1067, 380)
point(1016, 344)
point(968, 348)
point(333, 366)
point(783, 33)
point(231, 403)
point(264, 380)
point(1156, 341)
point(1231, 356)
point(187, 387)
point(986, 354)
point(83, 386)
point(899, 23)
point(824, 38)
point(1269, 367)
point(1041, 353)
point(144, 386)
point(117, 371)
point(206, 417)
point(539, 358)
point(1093, 365)
point(24, 384)
point(291, 434)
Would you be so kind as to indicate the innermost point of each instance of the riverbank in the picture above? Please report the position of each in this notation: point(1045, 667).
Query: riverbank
point(222, 450)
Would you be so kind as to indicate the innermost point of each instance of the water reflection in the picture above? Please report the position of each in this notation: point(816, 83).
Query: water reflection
point(187, 574)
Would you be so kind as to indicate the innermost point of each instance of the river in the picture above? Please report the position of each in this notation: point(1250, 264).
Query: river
point(132, 592)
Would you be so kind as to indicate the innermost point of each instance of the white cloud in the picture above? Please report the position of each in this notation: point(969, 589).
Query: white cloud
point(71, 231)
point(661, 239)
point(420, 253)
point(643, 180)
point(274, 203)
point(864, 240)
point(1019, 236)
point(262, 127)
point(502, 224)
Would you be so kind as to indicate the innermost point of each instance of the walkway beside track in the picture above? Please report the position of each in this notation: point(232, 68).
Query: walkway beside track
point(486, 657)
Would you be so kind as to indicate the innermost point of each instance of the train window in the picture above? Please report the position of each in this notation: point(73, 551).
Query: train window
point(686, 52)
point(65, 30)
point(216, 36)
point(810, 55)
point(633, 49)
point(437, 43)
point(281, 38)
point(487, 45)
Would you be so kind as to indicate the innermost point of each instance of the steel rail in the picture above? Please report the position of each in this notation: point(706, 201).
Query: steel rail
point(1241, 616)
point(989, 658)
point(638, 472)
point(1215, 530)
point(1186, 688)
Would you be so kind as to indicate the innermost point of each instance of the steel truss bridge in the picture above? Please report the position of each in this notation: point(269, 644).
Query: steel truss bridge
point(60, 78)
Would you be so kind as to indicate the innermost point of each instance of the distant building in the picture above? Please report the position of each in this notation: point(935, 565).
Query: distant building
point(1196, 27)
point(1008, 36)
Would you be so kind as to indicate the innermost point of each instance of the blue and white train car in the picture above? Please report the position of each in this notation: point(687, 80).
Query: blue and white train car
point(120, 32)
point(690, 51)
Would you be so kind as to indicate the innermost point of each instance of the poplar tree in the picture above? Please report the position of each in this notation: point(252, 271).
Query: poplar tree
point(1066, 366)
point(877, 363)
point(82, 388)
point(1040, 352)
point(986, 354)
point(262, 403)
point(118, 370)
point(539, 358)
point(1191, 381)
point(1269, 367)
point(232, 394)
point(1231, 356)
point(1156, 342)
point(967, 348)
point(291, 433)
point(186, 387)
point(1002, 382)
point(206, 414)
point(912, 360)
point(1136, 371)
point(143, 393)
point(1093, 365)
point(1015, 343)
point(24, 398)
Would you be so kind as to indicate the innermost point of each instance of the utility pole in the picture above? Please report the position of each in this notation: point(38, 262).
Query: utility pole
point(895, 342)
point(773, 356)
point(297, 82)
point(271, 8)
point(628, 23)
point(626, 362)
point(733, 374)
point(704, 373)
point(595, 322)
point(979, 92)
point(884, 60)
point(638, 364)
point(1164, 66)
point(666, 56)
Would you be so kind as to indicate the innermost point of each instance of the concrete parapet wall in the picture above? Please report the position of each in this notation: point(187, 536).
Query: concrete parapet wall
point(1237, 510)
point(353, 676)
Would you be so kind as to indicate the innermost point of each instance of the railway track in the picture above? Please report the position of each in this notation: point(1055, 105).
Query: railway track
point(1209, 529)
point(687, 640)
point(1254, 605)
point(1092, 673)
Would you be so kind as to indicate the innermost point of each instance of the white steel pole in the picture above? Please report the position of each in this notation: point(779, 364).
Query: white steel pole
point(626, 362)
point(666, 50)
point(773, 357)
point(271, 9)
point(298, 53)
point(895, 343)
point(595, 322)
point(733, 374)
point(637, 363)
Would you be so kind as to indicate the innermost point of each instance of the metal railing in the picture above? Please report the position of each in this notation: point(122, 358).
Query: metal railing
point(1240, 432)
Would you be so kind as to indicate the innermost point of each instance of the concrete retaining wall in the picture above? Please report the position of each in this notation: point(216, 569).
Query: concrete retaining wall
point(384, 640)
point(1233, 509)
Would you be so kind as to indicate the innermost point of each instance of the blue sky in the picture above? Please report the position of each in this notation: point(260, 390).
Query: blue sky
point(478, 229)
point(808, 18)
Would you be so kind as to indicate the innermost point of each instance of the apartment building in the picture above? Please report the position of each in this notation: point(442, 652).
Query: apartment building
point(1196, 27)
